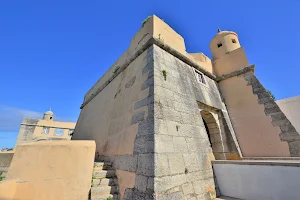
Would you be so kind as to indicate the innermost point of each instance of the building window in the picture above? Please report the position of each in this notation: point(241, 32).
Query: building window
point(71, 131)
point(200, 77)
point(59, 132)
point(219, 45)
point(45, 130)
point(233, 41)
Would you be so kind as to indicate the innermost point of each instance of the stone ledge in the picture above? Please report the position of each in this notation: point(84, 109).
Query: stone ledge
point(271, 158)
point(236, 73)
point(292, 163)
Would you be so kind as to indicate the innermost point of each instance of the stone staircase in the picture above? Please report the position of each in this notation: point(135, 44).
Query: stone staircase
point(104, 184)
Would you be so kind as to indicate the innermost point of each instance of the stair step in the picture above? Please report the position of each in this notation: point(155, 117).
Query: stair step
point(103, 174)
point(104, 182)
point(103, 190)
point(102, 165)
point(104, 197)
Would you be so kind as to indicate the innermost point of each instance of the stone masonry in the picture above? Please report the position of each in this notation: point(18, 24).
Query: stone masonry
point(288, 131)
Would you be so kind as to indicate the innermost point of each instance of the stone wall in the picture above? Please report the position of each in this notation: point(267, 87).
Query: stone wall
point(26, 131)
point(182, 150)
point(121, 121)
point(5, 160)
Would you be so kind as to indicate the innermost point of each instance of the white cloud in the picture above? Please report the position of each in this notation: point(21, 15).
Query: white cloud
point(11, 118)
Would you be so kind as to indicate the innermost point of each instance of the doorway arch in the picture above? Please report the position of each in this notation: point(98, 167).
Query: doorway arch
point(213, 131)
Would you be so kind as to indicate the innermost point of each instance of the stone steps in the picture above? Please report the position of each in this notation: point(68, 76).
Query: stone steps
point(104, 197)
point(102, 165)
point(104, 190)
point(104, 183)
point(104, 174)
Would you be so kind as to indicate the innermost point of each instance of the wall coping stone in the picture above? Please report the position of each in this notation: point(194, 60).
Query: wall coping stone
point(236, 73)
point(292, 162)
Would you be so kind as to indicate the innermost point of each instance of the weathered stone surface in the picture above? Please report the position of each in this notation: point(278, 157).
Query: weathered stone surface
point(144, 144)
point(179, 144)
point(176, 163)
point(161, 165)
point(146, 165)
point(130, 82)
point(187, 188)
point(138, 117)
point(126, 163)
point(141, 183)
point(164, 144)
point(173, 196)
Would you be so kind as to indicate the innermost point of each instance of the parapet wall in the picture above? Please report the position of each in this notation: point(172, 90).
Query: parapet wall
point(50, 170)
point(268, 180)
point(152, 28)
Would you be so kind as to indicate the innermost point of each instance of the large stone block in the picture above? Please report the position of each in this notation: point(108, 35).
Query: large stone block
point(145, 165)
point(176, 163)
point(164, 144)
point(161, 165)
point(180, 144)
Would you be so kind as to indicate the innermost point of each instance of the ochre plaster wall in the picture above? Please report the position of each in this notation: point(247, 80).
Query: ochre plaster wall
point(66, 126)
point(51, 170)
point(254, 130)
point(230, 62)
point(203, 61)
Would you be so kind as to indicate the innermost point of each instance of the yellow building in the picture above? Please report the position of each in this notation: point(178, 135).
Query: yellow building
point(44, 129)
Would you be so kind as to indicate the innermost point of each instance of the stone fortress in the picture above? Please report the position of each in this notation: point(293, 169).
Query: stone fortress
point(170, 125)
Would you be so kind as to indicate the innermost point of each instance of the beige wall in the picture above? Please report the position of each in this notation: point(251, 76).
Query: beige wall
point(32, 130)
point(230, 62)
point(51, 170)
point(66, 126)
point(203, 61)
point(254, 130)
point(107, 118)
point(225, 39)
point(291, 108)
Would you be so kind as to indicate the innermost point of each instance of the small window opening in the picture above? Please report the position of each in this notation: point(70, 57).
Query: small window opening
point(200, 77)
point(45, 130)
point(50, 117)
point(59, 132)
point(219, 45)
point(71, 131)
point(233, 41)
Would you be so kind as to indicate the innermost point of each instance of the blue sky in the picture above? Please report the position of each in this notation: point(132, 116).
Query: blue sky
point(52, 52)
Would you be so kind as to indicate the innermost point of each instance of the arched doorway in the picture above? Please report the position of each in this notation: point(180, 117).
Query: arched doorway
point(214, 134)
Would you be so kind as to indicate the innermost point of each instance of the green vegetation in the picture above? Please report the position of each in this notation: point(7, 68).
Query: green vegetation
point(164, 74)
point(145, 20)
point(116, 69)
point(186, 171)
point(271, 94)
point(109, 198)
